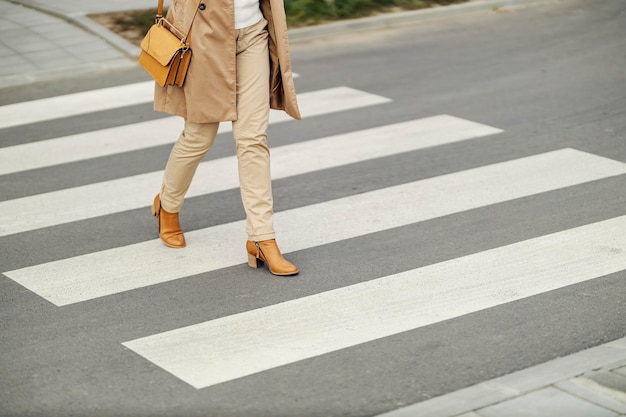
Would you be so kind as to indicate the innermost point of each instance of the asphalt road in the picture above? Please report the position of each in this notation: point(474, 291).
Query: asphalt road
point(551, 77)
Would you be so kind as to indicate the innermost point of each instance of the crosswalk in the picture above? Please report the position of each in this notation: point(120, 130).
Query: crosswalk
point(145, 135)
point(129, 193)
point(212, 352)
point(235, 346)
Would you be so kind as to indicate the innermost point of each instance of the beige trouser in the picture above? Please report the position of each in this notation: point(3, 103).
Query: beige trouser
point(250, 136)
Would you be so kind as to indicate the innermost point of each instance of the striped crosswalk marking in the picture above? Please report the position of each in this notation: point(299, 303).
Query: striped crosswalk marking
point(147, 263)
point(220, 350)
point(159, 132)
point(76, 104)
point(43, 210)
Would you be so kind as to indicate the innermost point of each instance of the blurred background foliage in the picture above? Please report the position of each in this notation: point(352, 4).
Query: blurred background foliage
point(300, 12)
point(311, 12)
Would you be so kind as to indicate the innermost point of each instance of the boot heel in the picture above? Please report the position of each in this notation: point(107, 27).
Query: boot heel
point(156, 206)
point(253, 261)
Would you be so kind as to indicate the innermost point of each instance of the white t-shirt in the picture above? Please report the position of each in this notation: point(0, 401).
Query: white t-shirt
point(247, 13)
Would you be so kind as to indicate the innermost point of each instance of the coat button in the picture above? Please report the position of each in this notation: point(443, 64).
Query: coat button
point(202, 6)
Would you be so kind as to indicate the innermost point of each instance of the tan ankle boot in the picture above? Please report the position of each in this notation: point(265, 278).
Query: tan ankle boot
point(267, 251)
point(170, 231)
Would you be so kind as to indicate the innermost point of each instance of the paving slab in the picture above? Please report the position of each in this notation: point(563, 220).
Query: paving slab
point(548, 402)
point(595, 393)
point(609, 380)
point(38, 46)
point(621, 370)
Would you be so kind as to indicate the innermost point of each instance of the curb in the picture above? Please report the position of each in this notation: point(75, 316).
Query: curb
point(82, 21)
point(318, 32)
point(513, 385)
point(406, 18)
point(129, 49)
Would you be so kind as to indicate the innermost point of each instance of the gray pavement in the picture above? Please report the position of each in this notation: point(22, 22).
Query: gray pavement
point(43, 42)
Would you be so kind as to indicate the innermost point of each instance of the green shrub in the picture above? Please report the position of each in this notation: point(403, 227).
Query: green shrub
point(355, 8)
point(307, 12)
point(146, 19)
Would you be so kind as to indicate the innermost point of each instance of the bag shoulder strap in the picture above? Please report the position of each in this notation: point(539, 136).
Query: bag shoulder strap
point(159, 13)
point(188, 36)
point(185, 39)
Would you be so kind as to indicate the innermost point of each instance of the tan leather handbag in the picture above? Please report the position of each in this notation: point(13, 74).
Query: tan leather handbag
point(165, 51)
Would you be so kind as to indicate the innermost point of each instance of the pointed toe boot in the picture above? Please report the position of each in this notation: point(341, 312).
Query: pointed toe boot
point(170, 231)
point(267, 251)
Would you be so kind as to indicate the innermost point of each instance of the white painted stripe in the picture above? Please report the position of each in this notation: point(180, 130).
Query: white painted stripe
point(159, 132)
point(113, 196)
point(243, 344)
point(77, 103)
point(125, 268)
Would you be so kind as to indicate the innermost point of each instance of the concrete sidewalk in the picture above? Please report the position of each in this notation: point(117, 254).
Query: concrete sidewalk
point(590, 383)
point(38, 46)
point(44, 41)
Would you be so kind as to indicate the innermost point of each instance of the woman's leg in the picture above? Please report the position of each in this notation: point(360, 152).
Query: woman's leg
point(192, 145)
point(250, 130)
point(252, 151)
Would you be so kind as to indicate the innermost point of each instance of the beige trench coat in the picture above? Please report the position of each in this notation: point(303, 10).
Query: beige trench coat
point(209, 93)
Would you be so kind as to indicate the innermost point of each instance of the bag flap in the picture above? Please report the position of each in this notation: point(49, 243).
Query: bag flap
point(161, 44)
